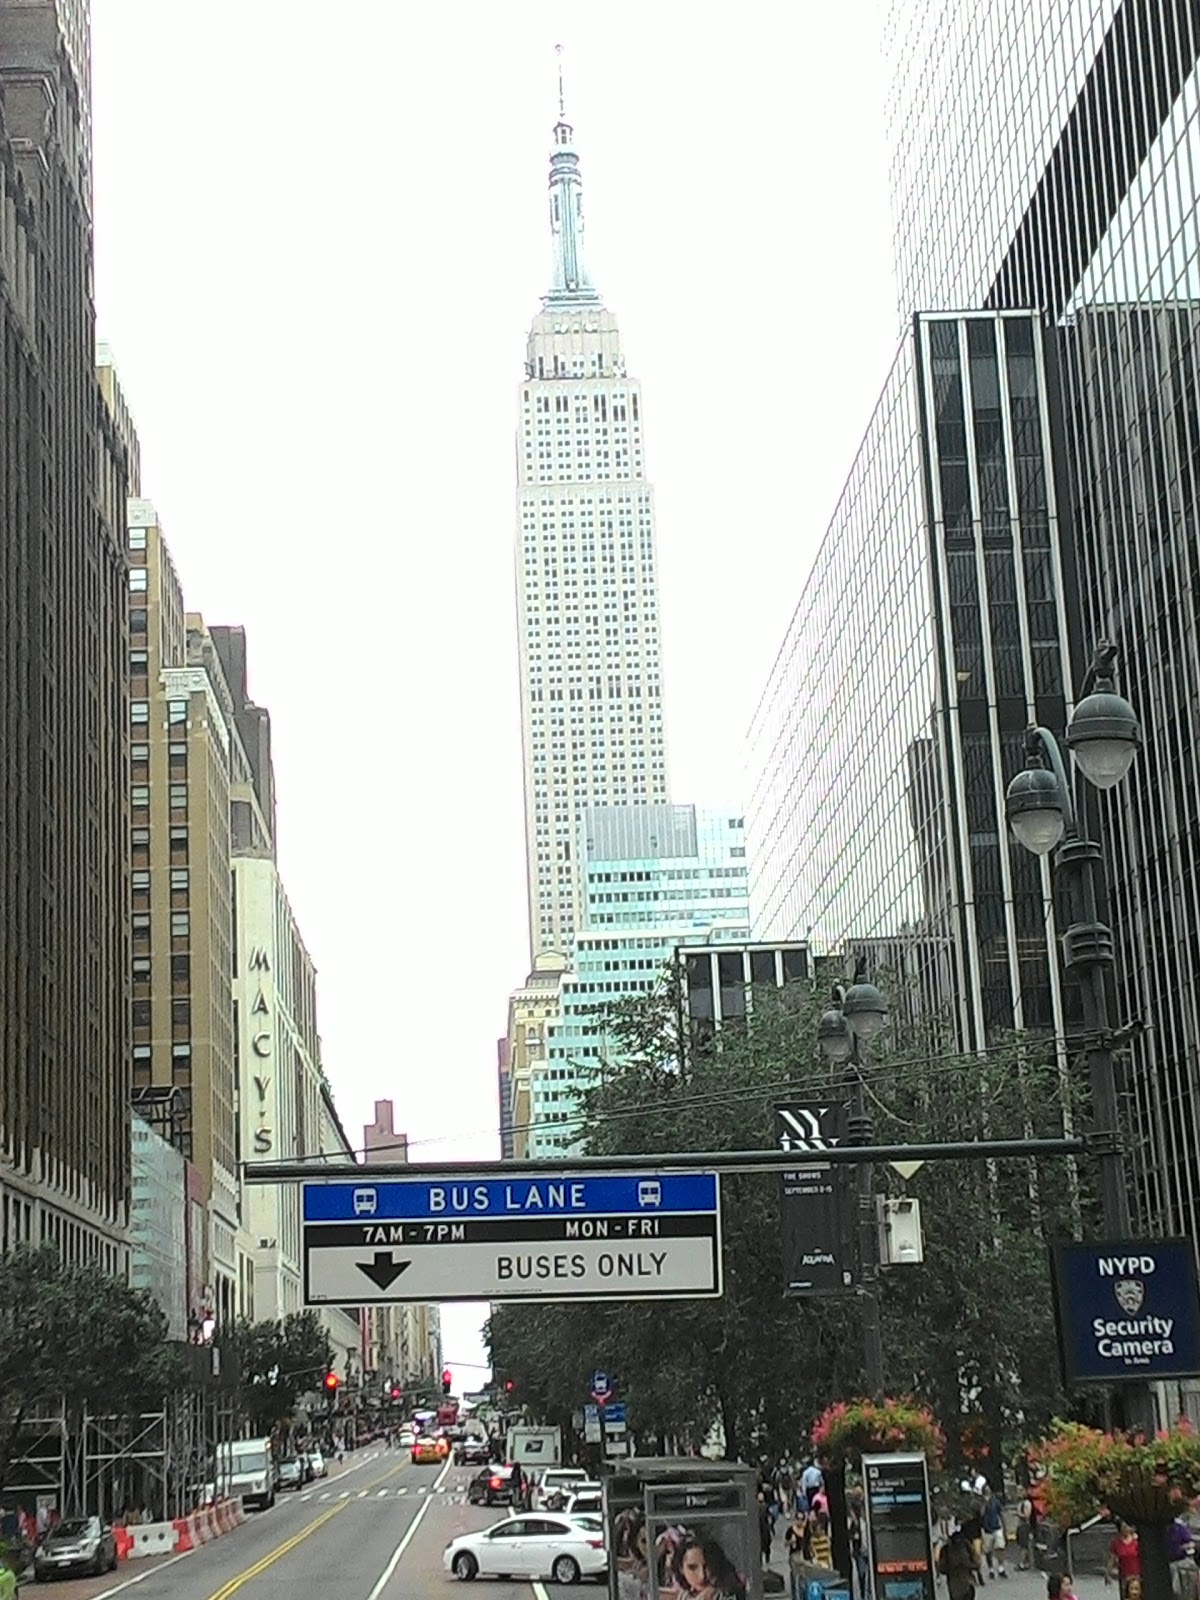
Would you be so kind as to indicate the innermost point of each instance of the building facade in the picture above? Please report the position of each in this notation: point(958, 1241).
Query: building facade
point(532, 1009)
point(651, 877)
point(279, 1072)
point(886, 829)
point(586, 574)
point(1090, 215)
point(181, 760)
point(1043, 172)
point(402, 1343)
point(64, 737)
point(158, 1229)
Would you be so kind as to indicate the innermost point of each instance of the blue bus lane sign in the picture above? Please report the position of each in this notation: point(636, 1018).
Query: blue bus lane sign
point(616, 1236)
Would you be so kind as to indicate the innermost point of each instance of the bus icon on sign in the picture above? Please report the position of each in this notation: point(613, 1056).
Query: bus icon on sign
point(649, 1192)
point(364, 1202)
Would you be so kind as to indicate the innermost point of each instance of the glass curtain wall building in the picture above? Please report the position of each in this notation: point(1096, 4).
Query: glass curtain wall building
point(1044, 161)
point(1088, 111)
point(653, 877)
point(884, 828)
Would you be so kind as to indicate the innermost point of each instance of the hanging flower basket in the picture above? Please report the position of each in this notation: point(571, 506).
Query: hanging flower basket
point(1142, 1481)
point(877, 1427)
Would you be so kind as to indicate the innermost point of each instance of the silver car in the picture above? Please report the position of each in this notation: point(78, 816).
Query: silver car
point(83, 1544)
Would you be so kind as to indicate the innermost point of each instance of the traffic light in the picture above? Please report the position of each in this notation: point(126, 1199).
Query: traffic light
point(509, 1386)
point(331, 1383)
point(446, 1381)
point(396, 1391)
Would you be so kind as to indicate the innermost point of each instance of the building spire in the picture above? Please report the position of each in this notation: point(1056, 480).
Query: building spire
point(570, 284)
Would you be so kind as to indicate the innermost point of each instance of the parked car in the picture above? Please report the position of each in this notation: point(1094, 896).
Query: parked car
point(317, 1464)
point(472, 1451)
point(84, 1544)
point(291, 1473)
point(491, 1487)
point(556, 1483)
point(529, 1546)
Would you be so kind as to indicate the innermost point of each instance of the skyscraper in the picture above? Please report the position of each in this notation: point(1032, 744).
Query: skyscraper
point(64, 734)
point(586, 573)
point(1043, 171)
point(651, 877)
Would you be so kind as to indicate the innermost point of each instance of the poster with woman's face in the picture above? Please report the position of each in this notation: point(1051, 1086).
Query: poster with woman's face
point(704, 1543)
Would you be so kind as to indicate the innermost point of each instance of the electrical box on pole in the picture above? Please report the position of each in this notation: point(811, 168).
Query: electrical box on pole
point(901, 1243)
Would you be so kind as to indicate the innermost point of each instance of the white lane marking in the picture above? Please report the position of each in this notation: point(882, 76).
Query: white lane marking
point(539, 1590)
point(345, 1495)
point(149, 1573)
point(385, 1577)
point(362, 1494)
point(382, 1492)
point(403, 1491)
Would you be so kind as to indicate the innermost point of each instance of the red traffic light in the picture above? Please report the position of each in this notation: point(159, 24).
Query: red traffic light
point(395, 1393)
point(447, 1379)
point(331, 1381)
point(509, 1386)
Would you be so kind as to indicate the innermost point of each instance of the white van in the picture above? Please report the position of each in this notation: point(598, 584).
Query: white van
point(245, 1468)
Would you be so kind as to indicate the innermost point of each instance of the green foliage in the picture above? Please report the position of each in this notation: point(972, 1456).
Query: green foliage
point(973, 1320)
point(79, 1335)
point(1143, 1481)
point(279, 1362)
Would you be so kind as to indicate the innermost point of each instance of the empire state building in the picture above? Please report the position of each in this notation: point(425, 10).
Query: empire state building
point(586, 574)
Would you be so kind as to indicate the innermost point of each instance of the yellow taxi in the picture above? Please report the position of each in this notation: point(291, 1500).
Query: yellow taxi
point(430, 1450)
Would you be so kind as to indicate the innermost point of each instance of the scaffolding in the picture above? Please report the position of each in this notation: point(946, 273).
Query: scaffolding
point(153, 1466)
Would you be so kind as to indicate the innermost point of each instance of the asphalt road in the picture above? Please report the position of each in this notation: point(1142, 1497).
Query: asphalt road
point(376, 1531)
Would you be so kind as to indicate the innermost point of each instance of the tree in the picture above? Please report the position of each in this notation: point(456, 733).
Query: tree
point(75, 1335)
point(968, 1330)
point(278, 1362)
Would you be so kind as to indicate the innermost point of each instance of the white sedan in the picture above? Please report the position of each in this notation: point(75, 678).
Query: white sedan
point(540, 1546)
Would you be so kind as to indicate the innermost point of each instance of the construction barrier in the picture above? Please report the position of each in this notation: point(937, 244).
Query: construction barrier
point(205, 1525)
point(149, 1539)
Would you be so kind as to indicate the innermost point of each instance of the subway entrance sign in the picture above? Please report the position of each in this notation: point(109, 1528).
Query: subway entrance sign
point(620, 1236)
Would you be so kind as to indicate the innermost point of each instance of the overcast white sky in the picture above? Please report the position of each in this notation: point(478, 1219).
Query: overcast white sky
point(321, 234)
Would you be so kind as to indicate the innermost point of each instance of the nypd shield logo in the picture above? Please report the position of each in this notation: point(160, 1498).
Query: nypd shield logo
point(1130, 1293)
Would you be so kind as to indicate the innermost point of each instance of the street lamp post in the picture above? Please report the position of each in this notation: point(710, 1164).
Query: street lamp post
point(1103, 735)
point(855, 1018)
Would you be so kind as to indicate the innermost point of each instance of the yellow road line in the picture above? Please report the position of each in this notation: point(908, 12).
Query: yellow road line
point(234, 1584)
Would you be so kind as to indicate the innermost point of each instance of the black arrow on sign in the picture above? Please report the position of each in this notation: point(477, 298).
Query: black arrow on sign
point(384, 1270)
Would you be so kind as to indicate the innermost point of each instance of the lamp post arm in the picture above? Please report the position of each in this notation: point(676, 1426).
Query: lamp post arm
point(1041, 741)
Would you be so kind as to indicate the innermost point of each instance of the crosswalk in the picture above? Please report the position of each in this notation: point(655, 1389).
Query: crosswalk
point(454, 1496)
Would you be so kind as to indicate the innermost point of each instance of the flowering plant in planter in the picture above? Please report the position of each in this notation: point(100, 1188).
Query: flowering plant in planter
point(1144, 1481)
point(862, 1427)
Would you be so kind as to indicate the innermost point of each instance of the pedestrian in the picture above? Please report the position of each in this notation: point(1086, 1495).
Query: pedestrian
point(995, 1536)
point(956, 1563)
point(1125, 1562)
point(811, 1479)
point(1181, 1553)
point(820, 1542)
point(972, 1531)
point(766, 1528)
point(1026, 1522)
point(857, 1530)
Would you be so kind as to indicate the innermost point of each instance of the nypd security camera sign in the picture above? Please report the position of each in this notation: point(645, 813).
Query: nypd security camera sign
point(1128, 1312)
